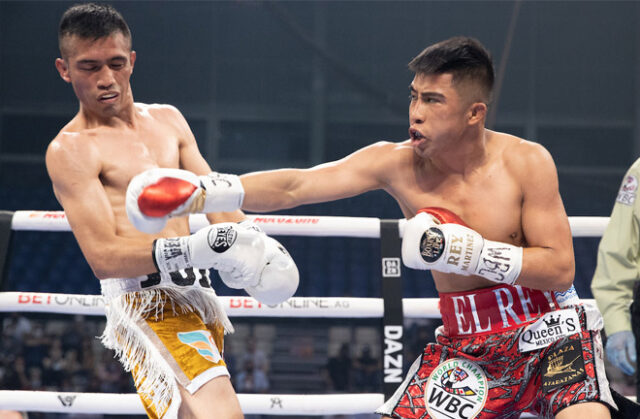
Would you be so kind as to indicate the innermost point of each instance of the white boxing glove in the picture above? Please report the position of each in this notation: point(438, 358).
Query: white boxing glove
point(411, 238)
point(225, 247)
point(155, 195)
point(279, 277)
point(454, 248)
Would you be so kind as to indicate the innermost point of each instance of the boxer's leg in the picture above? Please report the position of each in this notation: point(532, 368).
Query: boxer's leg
point(167, 348)
point(217, 394)
point(585, 411)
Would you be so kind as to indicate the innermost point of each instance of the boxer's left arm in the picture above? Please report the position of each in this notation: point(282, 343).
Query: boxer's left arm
point(548, 259)
point(437, 239)
point(74, 167)
point(191, 159)
point(279, 278)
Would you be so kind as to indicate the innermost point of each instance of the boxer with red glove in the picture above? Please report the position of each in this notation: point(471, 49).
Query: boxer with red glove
point(437, 239)
point(244, 256)
point(155, 195)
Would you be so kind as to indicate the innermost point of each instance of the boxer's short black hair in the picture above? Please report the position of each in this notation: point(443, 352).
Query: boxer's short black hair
point(463, 57)
point(91, 21)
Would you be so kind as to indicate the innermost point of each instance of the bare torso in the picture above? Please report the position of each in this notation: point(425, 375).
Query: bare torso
point(124, 152)
point(489, 199)
point(90, 166)
point(502, 186)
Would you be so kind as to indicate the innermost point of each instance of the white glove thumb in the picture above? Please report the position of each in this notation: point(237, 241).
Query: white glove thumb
point(280, 277)
point(414, 231)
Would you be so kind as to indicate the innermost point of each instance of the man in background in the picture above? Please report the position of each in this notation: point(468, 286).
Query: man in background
point(616, 284)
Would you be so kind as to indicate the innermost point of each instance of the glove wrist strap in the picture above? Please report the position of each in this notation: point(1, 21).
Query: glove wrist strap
point(250, 225)
point(221, 192)
point(171, 254)
point(499, 262)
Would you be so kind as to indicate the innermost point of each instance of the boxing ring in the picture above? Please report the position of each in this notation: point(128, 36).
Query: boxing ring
point(392, 308)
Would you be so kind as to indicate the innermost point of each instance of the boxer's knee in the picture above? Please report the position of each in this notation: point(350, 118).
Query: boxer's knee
point(217, 393)
point(590, 410)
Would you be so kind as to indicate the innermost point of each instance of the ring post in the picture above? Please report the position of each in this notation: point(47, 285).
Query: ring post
point(393, 328)
point(5, 238)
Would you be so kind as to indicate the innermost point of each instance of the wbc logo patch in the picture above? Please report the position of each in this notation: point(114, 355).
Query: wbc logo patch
point(628, 190)
point(201, 341)
point(457, 388)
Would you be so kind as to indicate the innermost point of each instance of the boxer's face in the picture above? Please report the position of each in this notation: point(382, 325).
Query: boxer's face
point(438, 114)
point(99, 71)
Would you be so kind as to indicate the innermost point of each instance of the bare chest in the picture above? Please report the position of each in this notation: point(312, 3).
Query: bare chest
point(124, 156)
point(490, 202)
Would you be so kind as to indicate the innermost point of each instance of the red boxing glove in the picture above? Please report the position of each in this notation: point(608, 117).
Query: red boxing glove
point(443, 216)
point(164, 196)
point(155, 195)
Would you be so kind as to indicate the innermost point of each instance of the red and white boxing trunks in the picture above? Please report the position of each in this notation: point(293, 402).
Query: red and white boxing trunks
point(503, 351)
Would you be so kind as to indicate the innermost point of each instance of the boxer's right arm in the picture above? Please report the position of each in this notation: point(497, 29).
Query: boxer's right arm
point(74, 165)
point(225, 247)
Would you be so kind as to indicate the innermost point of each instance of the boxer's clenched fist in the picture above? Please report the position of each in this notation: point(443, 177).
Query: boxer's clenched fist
point(226, 247)
point(278, 279)
point(157, 194)
point(434, 239)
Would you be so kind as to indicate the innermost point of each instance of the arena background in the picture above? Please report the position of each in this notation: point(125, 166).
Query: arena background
point(293, 84)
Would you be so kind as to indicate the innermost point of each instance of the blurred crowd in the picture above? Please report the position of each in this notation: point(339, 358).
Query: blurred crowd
point(62, 353)
point(41, 354)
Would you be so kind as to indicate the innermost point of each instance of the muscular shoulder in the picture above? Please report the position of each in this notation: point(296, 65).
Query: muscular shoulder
point(73, 143)
point(163, 113)
point(393, 147)
point(157, 110)
point(387, 152)
point(72, 152)
point(525, 157)
point(168, 116)
point(531, 166)
point(385, 157)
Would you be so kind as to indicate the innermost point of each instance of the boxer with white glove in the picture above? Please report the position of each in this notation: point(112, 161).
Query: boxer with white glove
point(279, 278)
point(437, 239)
point(244, 256)
point(155, 195)
point(224, 247)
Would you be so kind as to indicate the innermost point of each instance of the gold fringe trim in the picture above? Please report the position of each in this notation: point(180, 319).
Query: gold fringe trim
point(154, 377)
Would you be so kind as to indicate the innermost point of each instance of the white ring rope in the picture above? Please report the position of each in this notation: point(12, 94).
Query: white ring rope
point(288, 225)
point(319, 307)
point(251, 404)
point(129, 404)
